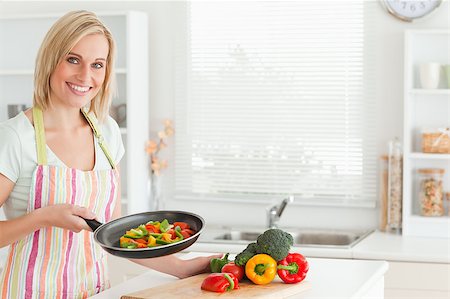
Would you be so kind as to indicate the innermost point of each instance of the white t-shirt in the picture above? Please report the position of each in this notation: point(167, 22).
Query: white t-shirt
point(18, 158)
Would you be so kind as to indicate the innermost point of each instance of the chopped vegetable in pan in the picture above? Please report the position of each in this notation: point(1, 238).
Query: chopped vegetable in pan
point(155, 233)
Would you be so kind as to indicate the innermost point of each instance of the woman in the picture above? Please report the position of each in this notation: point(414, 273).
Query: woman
point(58, 163)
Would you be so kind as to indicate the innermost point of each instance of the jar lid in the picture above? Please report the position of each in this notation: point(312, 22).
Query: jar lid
point(431, 170)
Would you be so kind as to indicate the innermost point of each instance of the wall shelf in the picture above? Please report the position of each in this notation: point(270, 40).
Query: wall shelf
point(440, 91)
point(424, 109)
point(426, 156)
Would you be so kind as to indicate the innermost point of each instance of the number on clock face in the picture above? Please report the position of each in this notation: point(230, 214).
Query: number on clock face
point(409, 9)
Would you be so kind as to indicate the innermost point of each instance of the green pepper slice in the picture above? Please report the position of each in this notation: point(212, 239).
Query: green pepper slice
point(165, 226)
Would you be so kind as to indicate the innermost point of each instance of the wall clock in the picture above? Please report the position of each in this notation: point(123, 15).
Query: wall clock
point(410, 10)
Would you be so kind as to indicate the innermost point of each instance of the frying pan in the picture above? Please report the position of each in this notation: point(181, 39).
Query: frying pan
point(107, 235)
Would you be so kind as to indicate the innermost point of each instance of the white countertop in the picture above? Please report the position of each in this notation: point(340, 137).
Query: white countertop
point(383, 246)
point(376, 246)
point(329, 278)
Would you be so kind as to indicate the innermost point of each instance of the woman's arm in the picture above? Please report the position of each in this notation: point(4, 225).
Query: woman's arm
point(64, 216)
point(172, 265)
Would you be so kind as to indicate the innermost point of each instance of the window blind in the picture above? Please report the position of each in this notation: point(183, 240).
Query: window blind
point(275, 98)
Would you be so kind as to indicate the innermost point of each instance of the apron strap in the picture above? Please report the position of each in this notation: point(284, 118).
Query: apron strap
point(92, 120)
point(39, 130)
point(40, 136)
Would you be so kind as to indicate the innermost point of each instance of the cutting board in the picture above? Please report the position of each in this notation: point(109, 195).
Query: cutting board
point(189, 288)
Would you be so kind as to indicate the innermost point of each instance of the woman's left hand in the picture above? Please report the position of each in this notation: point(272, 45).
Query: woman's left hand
point(197, 265)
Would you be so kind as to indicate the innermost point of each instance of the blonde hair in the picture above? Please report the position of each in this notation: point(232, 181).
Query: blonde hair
point(59, 41)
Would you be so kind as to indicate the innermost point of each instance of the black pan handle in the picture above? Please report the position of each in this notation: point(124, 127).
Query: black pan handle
point(93, 224)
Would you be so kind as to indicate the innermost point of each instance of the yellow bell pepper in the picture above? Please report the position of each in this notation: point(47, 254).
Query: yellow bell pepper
point(261, 269)
point(151, 241)
point(167, 237)
point(123, 241)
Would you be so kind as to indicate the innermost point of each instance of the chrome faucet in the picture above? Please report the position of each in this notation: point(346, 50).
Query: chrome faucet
point(274, 212)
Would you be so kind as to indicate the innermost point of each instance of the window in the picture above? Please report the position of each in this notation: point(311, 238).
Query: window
point(274, 98)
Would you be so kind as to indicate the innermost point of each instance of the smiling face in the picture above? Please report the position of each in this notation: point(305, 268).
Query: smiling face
point(80, 75)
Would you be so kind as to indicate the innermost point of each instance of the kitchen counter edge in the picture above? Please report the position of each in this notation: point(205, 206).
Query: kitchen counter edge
point(376, 246)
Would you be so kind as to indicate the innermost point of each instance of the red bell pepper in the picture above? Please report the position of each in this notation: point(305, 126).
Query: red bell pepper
point(293, 268)
point(220, 282)
point(182, 225)
point(185, 234)
point(234, 269)
point(152, 229)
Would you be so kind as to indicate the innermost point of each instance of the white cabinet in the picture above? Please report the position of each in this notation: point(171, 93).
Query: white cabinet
point(417, 280)
point(22, 36)
point(424, 108)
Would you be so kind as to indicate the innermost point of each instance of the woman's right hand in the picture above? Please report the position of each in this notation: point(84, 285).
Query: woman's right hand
point(62, 215)
point(66, 216)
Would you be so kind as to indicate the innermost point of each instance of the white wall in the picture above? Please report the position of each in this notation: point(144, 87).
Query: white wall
point(389, 93)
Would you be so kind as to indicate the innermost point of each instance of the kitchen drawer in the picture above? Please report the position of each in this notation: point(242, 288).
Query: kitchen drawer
point(415, 294)
point(418, 276)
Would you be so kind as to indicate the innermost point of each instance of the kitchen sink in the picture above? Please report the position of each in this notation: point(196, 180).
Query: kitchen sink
point(302, 237)
point(327, 238)
point(239, 236)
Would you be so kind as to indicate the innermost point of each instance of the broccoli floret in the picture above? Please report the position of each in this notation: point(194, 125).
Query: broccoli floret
point(275, 243)
point(242, 258)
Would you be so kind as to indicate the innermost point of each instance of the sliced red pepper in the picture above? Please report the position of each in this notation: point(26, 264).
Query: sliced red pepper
point(141, 243)
point(185, 234)
point(172, 233)
point(152, 229)
point(182, 225)
point(125, 242)
point(293, 268)
point(234, 269)
point(220, 282)
point(189, 231)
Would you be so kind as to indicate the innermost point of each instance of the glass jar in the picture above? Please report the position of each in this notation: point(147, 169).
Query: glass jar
point(395, 168)
point(431, 195)
point(383, 184)
point(447, 203)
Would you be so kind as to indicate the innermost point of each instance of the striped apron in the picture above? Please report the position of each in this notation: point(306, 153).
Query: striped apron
point(54, 262)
